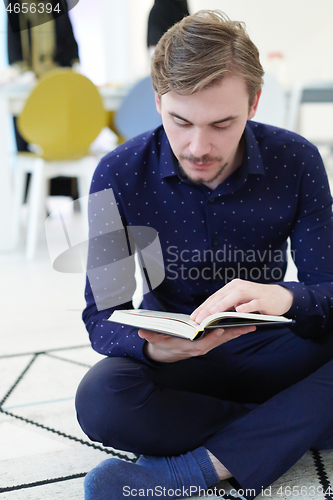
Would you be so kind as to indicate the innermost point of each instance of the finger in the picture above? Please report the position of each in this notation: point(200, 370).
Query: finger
point(152, 336)
point(210, 300)
point(233, 333)
point(213, 300)
point(205, 307)
point(220, 303)
point(251, 306)
point(144, 333)
point(163, 340)
point(220, 336)
point(237, 298)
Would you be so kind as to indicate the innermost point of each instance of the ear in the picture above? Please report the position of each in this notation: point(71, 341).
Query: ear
point(253, 108)
point(157, 102)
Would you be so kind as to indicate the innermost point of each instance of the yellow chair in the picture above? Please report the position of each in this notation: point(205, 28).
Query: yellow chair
point(63, 115)
point(112, 126)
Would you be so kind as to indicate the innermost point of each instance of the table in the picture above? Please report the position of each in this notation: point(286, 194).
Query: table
point(12, 99)
point(16, 95)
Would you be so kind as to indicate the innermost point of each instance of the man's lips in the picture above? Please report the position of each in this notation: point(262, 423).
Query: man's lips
point(201, 166)
point(200, 163)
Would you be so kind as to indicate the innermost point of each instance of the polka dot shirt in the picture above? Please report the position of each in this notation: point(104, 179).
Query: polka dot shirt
point(208, 237)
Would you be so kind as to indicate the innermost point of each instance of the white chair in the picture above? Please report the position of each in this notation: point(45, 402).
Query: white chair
point(305, 93)
point(315, 92)
point(272, 103)
point(63, 115)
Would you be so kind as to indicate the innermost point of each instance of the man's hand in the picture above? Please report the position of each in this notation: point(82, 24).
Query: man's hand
point(246, 297)
point(168, 349)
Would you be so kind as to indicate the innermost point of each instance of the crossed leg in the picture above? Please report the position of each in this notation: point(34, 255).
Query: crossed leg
point(256, 403)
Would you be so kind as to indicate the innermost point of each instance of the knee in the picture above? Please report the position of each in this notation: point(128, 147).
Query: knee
point(107, 396)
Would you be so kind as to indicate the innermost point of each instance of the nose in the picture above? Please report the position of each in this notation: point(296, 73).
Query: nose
point(199, 144)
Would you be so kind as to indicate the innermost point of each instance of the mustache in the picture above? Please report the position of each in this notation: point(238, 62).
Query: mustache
point(202, 159)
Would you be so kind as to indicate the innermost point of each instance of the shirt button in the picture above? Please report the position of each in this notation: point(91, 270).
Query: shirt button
point(212, 200)
point(215, 243)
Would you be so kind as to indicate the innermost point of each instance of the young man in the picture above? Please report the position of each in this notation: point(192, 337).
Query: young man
point(224, 194)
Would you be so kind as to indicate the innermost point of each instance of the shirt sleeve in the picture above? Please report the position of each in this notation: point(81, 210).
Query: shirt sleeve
point(110, 280)
point(311, 245)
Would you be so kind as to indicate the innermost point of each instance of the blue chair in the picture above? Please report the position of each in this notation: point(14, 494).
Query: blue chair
point(137, 113)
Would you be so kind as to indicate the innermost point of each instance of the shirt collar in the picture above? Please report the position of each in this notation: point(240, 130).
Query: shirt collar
point(252, 160)
point(168, 161)
point(252, 155)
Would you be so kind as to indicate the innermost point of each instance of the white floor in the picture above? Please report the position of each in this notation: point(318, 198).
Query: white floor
point(41, 311)
point(41, 307)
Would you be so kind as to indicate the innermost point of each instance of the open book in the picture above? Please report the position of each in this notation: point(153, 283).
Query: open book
point(181, 325)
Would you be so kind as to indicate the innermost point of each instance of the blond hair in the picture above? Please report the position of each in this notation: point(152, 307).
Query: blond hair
point(202, 49)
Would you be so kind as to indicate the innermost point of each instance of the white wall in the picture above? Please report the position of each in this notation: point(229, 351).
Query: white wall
point(112, 39)
point(300, 29)
point(86, 20)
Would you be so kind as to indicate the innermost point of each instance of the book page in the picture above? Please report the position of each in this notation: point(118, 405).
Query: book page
point(184, 318)
point(245, 316)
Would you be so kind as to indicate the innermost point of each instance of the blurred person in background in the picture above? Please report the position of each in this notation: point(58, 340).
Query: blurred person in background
point(163, 15)
point(44, 42)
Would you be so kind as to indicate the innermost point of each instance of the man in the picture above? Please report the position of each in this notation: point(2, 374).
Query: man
point(224, 195)
point(43, 41)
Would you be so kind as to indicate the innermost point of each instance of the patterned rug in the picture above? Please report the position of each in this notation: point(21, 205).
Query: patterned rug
point(45, 455)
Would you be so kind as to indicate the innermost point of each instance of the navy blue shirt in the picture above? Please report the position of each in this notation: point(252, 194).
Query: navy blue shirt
point(209, 237)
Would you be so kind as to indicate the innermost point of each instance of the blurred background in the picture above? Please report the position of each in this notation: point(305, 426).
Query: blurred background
point(112, 35)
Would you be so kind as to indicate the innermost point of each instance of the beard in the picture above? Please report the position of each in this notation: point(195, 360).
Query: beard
point(203, 160)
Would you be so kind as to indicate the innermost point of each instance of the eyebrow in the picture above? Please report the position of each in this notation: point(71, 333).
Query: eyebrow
point(227, 119)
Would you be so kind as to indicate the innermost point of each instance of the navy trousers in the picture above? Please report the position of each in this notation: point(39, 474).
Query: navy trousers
point(258, 403)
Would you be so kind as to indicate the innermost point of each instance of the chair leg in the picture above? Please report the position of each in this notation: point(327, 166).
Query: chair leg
point(37, 192)
point(19, 188)
point(84, 182)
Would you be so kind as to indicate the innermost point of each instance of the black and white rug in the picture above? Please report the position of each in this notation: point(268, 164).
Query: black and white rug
point(45, 455)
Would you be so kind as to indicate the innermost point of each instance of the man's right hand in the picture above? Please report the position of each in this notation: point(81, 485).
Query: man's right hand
point(169, 349)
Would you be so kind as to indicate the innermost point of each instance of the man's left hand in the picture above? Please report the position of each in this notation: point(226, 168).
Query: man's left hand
point(245, 297)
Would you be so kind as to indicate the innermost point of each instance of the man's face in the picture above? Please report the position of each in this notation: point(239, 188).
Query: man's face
point(205, 128)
